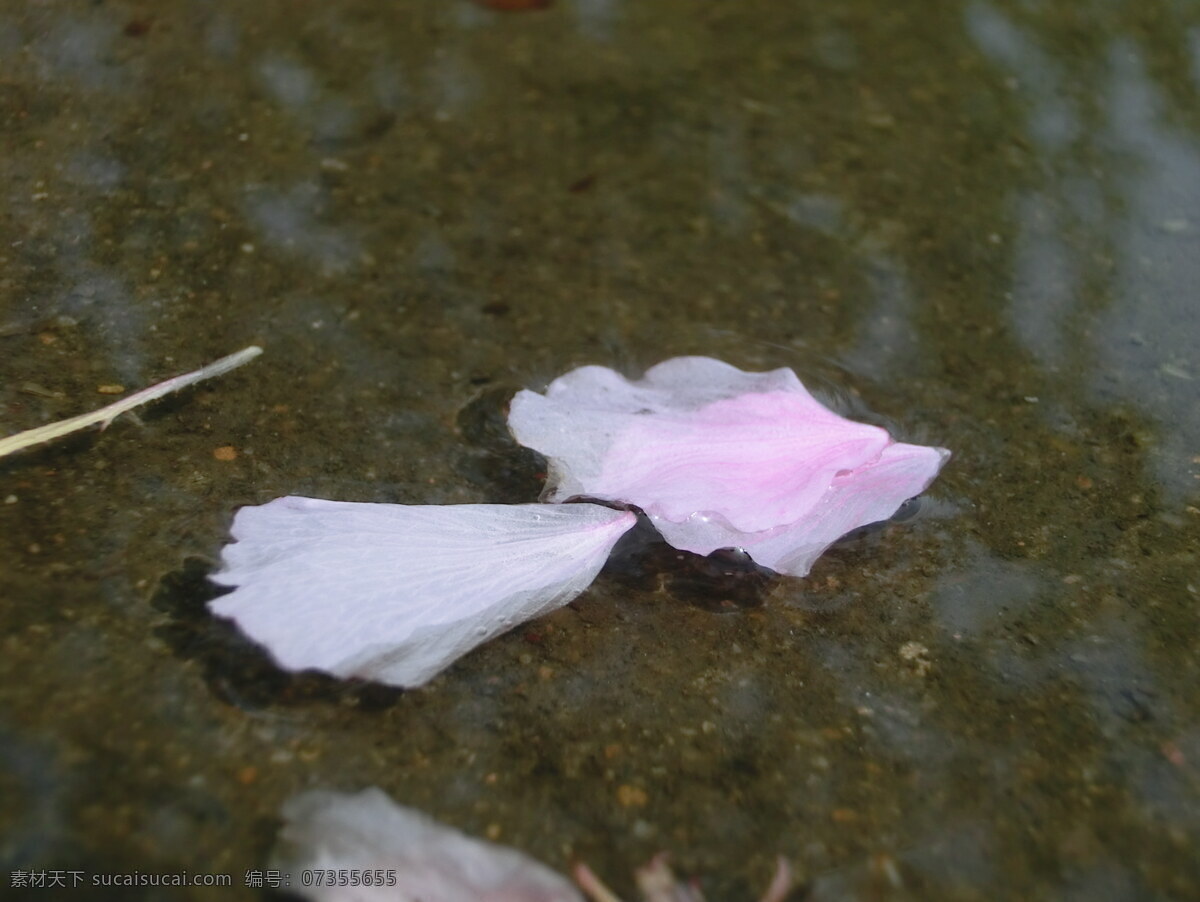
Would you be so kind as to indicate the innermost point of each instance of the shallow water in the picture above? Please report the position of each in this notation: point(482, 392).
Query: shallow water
point(977, 222)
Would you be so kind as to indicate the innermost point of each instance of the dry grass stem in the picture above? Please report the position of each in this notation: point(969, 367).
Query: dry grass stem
point(106, 415)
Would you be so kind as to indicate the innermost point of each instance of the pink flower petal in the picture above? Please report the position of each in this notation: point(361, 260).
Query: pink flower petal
point(396, 593)
point(424, 861)
point(868, 495)
point(718, 457)
point(758, 460)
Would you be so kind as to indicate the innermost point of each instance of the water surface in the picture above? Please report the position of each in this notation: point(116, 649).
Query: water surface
point(977, 221)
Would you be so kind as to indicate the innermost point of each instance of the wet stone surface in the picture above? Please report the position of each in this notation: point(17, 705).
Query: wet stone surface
point(976, 222)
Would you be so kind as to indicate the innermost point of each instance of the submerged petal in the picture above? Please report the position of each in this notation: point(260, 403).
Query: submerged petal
point(418, 858)
point(718, 457)
point(396, 593)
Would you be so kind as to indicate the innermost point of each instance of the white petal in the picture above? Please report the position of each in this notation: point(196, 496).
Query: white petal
point(368, 832)
point(396, 593)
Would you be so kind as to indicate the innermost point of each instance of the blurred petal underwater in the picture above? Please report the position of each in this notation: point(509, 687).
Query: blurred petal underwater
point(400, 854)
point(419, 859)
point(396, 593)
point(718, 457)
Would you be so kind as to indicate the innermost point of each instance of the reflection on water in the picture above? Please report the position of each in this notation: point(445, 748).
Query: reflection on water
point(596, 19)
point(976, 224)
point(1103, 246)
point(1148, 339)
point(290, 220)
point(985, 594)
point(887, 343)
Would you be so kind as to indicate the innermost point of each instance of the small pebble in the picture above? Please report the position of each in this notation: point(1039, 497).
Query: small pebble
point(225, 452)
point(631, 796)
point(916, 654)
point(643, 829)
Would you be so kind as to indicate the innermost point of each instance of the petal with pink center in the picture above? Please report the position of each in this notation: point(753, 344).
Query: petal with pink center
point(719, 457)
point(758, 460)
point(396, 593)
point(694, 434)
